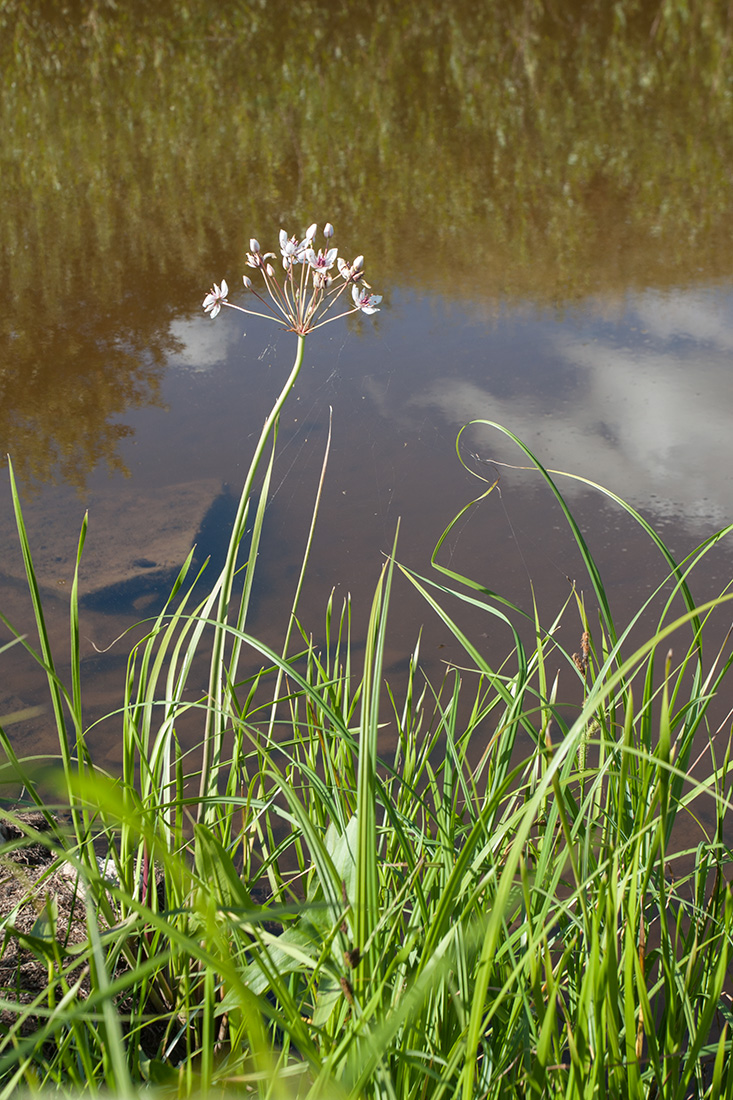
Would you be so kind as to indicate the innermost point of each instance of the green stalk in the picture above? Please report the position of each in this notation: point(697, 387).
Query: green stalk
point(301, 579)
point(215, 717)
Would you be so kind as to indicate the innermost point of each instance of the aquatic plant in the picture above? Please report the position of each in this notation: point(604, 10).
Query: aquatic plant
point(300, 302)
point(496, 907)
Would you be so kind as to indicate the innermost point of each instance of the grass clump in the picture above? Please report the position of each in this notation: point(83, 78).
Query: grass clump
point(498, 906)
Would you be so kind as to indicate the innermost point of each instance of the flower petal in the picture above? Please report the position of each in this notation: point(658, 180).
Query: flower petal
point(365, 301)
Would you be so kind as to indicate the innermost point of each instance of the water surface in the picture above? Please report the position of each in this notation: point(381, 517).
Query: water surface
point(545, 204)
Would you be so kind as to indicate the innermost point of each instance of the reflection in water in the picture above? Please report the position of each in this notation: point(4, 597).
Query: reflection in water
point(546, 190)
point(641, 405)
point(62, 389)
point(520, 154)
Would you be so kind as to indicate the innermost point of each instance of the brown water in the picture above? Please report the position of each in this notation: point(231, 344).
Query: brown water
point(544, 202)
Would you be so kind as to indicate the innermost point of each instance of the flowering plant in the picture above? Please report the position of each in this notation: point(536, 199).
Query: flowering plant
point(308, 291)
point(304, 298)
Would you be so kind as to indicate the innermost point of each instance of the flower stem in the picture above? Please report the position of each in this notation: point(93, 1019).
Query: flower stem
point(219, 677)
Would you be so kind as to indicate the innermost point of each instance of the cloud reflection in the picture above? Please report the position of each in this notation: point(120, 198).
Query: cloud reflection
point(649, 414)
point(203, 345)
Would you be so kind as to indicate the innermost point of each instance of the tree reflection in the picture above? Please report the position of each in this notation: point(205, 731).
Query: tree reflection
point(525, 149)
point(62, 390)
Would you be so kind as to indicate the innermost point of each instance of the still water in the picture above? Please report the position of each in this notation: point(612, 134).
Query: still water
point(544, 205)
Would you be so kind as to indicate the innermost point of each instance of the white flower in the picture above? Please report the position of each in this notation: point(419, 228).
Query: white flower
point(255, 258)
point(291, 248)
point(216, 298)
point(322, 261)
point(365, 301)
point(304, 303)
point(350, 272)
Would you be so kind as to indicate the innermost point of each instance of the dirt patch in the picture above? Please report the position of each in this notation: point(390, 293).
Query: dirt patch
point(39, 899)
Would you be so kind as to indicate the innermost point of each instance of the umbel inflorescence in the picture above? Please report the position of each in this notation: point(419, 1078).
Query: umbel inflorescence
point(304, 298)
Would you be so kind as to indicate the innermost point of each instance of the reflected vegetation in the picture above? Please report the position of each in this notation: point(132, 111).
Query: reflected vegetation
point(62, 388)
point(523, 150)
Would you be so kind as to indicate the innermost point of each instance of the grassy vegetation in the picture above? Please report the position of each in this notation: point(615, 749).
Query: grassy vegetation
point(496, 907)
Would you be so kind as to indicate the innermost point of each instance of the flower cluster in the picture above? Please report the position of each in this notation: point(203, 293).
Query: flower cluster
point(303, 298)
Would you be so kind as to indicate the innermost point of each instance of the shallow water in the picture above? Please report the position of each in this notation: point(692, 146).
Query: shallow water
point(543, 204)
